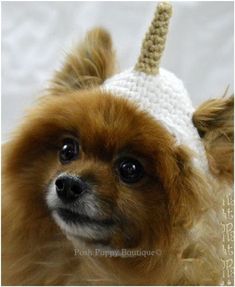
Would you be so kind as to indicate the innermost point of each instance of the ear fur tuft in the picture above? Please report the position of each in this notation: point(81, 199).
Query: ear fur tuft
point(214, 120)
point(88, 65)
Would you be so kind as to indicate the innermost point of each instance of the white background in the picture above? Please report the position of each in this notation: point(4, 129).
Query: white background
point(36, 34)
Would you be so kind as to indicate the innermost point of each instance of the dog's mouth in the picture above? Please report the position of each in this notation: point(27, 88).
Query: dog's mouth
point(83, 227)
point(76, 218)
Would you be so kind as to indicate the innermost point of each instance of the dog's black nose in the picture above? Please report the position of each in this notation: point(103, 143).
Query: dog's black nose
point(69, 188)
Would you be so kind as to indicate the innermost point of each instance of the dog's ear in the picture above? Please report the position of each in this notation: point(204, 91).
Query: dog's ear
point(214, 121)
point(88, 65)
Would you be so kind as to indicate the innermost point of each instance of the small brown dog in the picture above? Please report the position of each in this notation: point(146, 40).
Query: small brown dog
point(113, 179)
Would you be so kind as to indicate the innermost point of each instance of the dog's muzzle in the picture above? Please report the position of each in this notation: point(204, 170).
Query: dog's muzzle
point(77, 208)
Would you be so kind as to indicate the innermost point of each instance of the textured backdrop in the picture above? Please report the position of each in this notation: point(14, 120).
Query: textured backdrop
point(36, 34)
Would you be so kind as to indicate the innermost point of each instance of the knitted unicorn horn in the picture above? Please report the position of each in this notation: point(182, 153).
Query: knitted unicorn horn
point(154, 42)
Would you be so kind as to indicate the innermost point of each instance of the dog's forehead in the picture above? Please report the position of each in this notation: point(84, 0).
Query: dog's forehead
point(108, 124)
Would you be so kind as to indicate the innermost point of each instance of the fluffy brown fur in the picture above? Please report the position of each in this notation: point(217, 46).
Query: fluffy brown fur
point(174, 208)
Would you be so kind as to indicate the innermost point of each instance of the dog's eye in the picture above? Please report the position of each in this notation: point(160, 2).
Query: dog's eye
point(69, 150)
point(130, 170)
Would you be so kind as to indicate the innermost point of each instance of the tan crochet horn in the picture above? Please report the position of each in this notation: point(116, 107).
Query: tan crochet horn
point(154, 41)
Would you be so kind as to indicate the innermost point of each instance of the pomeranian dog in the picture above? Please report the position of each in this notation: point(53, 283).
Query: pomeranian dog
point(89, 171)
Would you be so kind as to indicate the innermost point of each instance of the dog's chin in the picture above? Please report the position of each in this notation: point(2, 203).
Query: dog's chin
point(79, 227)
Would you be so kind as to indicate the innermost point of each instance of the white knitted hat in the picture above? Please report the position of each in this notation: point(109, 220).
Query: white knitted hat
point(159, 91)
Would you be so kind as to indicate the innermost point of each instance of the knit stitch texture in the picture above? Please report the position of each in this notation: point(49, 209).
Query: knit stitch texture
point(164, 97)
